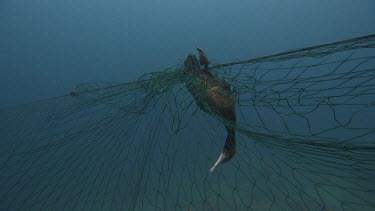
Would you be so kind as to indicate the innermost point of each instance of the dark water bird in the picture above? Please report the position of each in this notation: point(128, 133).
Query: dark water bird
point(213, 96)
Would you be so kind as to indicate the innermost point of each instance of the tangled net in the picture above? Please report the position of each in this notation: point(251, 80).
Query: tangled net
point(305, 140)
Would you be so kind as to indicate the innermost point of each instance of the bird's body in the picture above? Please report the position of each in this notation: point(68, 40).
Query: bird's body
point(213, 95)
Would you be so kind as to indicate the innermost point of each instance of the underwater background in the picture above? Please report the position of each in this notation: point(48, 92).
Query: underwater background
point(47, 47)
point(305, 120)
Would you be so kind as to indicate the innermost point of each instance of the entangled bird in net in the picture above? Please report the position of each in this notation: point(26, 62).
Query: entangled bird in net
point(304, 138)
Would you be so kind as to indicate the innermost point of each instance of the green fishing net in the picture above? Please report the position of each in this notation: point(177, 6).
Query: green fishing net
point(305, 139)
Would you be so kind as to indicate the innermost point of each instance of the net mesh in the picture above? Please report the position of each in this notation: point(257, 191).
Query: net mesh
point(305, 140)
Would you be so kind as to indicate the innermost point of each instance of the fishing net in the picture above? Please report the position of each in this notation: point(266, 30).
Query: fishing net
point(305, 139)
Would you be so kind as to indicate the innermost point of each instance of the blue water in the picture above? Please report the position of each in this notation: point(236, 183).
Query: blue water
point(88, 153)
point(47, 47)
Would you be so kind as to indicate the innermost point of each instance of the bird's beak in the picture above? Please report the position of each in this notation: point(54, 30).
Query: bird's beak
point(219, 161)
